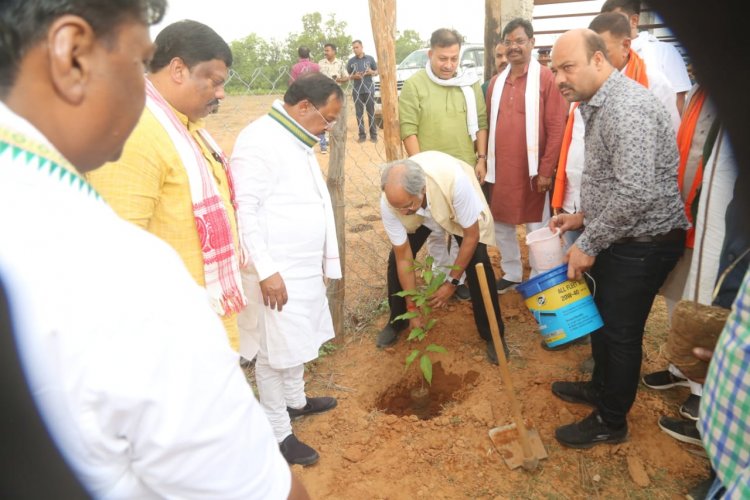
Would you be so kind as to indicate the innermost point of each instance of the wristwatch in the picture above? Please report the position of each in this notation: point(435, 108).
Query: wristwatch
point(452, 281)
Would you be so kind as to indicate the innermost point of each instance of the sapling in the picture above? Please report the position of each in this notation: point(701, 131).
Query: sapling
point(433, 279)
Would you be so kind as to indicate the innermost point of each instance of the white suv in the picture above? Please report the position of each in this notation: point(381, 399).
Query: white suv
point(472, 56)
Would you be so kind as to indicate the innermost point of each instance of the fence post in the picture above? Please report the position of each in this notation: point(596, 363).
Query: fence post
point(383, 19)
point(335, 183)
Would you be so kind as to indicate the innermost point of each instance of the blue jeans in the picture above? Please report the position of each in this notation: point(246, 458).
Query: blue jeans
point(626, 277)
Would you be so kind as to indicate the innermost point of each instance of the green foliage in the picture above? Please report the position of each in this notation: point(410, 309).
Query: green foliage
point(406, 43)
point(327, 348)
point(263, 66)
point(258, 65)
point(421, 297)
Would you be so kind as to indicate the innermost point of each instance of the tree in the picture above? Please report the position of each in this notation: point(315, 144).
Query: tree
point(261, 66)
point(315, 34)
point(406, 43)
point(258, 66)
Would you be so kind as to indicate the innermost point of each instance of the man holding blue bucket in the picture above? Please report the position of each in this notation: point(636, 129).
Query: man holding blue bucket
point(633, 224)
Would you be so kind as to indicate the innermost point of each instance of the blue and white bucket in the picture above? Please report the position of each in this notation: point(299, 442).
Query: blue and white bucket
point(564, 309)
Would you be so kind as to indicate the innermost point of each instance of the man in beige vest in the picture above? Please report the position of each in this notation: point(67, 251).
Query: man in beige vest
point(434, 191)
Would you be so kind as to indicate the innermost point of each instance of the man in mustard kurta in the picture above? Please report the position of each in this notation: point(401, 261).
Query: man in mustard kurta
point(172, 178)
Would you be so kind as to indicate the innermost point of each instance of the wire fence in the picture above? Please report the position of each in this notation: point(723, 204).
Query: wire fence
point(366, 245)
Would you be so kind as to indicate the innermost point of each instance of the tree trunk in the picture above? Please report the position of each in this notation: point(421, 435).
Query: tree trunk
point(383, 19)
point(335, 182)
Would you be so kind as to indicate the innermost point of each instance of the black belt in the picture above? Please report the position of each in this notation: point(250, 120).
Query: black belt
point(674, 235)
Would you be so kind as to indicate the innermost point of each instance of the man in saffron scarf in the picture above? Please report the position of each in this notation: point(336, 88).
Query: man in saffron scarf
point(526, 119)
point(172, 179)
point(615, 31)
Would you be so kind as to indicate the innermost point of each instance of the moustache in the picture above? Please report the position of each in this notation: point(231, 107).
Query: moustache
point(214, 105)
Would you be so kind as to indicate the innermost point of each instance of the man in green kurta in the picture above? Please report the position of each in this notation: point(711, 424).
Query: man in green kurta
point(434, 105)
point(441, 108)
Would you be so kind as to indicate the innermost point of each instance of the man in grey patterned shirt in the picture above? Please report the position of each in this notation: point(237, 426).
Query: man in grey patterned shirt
point(633, 224)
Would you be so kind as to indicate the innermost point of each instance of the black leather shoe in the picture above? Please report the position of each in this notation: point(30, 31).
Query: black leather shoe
point(589, 432)
point(297, 452)
point(462, 292)
point(492, 354)
point(313, 406)
point(582, 393)
point(387, 336)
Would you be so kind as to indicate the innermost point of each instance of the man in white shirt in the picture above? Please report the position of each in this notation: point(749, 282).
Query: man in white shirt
point(655, 52)
point(432, 191)
point(287, 222)
point(128, 364)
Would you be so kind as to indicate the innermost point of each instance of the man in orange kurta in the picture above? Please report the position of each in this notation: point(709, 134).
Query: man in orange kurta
point(520, 194)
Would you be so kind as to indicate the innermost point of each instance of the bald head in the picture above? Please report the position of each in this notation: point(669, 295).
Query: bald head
point(580, 64)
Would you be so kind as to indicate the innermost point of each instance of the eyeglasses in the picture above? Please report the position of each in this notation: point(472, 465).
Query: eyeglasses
point(329, 125)
point(519, 42)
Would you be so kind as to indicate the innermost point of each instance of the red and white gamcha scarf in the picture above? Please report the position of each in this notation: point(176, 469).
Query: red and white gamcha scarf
point(221, 264)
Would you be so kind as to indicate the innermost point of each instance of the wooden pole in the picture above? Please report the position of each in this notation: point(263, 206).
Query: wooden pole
point(530, 462)
point(335, 183)
point(383, 19)
point(492, 31)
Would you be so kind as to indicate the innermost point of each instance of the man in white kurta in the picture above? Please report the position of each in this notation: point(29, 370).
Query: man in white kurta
point(287, 222)
point(127, 363)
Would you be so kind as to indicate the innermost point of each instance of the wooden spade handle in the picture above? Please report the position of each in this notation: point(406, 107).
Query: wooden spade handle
point(523, 433)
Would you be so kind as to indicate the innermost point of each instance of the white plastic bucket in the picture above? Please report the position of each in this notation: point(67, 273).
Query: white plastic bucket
point(545, 247)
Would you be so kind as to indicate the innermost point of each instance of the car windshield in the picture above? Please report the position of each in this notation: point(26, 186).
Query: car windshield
point(417, 59)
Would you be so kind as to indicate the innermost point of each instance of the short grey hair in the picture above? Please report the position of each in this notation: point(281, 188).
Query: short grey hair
point(413, 180)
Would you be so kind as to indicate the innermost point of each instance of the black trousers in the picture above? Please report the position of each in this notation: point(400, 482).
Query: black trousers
point(366, 101)
point(398, 304)
point(627, 278)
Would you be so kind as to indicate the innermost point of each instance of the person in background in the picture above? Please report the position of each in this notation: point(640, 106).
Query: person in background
point(334, 68)
point(287, 221)
point(501, 62)
point(172, 179)
point(543, 56)
point(526, 120)
point(128, 365)
point(303, 64)
point(633, 223)
point(654, 52)
point(361, 69)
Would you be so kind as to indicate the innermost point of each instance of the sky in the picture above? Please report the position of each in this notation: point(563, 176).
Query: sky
point(235, 19)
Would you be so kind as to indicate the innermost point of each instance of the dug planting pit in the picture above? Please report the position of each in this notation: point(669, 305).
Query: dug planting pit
point(399, 399)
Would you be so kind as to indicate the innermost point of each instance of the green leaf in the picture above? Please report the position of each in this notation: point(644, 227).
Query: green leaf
point(425, 363)
point(435, 348)
point(427, 276)
point(429, 261)
point(406, 293)
point(407, 315)
point(426, 310)
point(430, 324)
point(411, 357)
point(416, 332)
point(454, 268)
